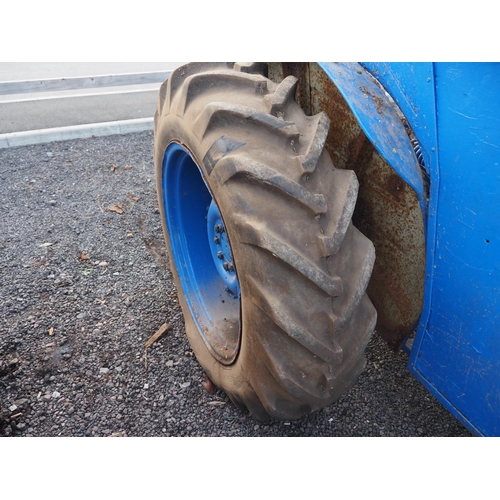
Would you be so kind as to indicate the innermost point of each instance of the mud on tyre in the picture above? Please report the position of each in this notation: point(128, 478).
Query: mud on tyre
point(271, 273)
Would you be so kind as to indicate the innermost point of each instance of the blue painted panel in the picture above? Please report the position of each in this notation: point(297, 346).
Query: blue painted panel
point(457, 352)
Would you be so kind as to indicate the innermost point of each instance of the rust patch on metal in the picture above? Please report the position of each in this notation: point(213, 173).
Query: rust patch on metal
point(396, 186)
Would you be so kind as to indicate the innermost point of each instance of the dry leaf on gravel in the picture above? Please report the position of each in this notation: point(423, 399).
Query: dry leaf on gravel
point(116, 208)
point(128, 167)
point(83, 256)
point(46, 244)
point(135, 198)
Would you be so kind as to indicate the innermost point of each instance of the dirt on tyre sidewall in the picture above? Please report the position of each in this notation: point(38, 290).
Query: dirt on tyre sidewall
point(304, 318)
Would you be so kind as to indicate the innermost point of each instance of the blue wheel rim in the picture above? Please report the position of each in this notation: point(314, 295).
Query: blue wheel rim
point(202, 254)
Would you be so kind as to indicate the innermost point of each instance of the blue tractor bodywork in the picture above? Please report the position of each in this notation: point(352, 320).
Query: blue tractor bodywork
point(437, 125)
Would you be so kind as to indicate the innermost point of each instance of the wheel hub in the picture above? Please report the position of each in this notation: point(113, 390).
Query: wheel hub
point(221, 251)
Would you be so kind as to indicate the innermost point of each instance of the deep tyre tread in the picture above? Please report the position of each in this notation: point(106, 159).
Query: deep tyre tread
point(260, 173)
point(285, 92)
point(302, 267)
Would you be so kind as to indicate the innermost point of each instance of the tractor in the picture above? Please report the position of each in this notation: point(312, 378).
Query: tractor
point(306, 206)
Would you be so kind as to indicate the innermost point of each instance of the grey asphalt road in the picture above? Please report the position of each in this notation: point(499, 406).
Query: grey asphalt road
point(24, 111)
point(76, 110)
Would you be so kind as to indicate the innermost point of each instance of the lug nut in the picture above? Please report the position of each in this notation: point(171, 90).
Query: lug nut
point(216, 240)
point(228, 266)
point(220, 255)
point(219, 228)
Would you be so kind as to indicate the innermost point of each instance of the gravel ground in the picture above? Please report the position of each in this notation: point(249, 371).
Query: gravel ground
point(83, 288)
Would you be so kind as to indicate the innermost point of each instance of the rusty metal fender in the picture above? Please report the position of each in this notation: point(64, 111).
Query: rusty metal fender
point(381, 121)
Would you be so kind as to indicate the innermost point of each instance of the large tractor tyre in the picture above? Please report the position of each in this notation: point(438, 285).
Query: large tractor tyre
point(271, 273)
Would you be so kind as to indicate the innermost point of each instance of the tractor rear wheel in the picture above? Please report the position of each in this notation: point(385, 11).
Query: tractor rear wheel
point(271, 273)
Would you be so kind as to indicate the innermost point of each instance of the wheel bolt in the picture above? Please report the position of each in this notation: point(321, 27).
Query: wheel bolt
point(216, 240)
point(220, 255)
point(219, 228)
point(228, 266)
